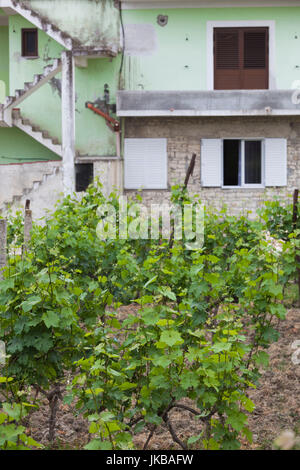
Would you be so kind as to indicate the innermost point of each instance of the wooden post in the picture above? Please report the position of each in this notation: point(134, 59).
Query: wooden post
point(3, 242)
point(189, 173)
point(27, 225)
point(295, 208)
point(190, 170)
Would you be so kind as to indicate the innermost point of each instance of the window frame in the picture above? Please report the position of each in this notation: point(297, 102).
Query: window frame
point(23, 43)
point(243, 185)
point(242, 73)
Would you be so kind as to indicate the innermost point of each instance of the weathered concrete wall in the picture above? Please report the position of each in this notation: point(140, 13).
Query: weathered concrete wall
point(42, 183)
point(44, 198)
point(184, 138)
point(110, 174)
point(39, 182)
point(43, 107)
point(94, 23)
point(208, 103)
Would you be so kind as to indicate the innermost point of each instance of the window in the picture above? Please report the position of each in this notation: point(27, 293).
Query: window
point(84, 173)
point(30, 42)
point(241, 58)
point(242, 163)
point(145, 163)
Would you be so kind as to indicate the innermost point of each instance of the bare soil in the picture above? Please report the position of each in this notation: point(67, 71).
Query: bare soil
point(277, 401)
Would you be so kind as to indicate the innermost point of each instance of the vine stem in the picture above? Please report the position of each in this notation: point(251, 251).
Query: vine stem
point(149, 437)
point(163, 415)
point(53, 398)
point(173, 434)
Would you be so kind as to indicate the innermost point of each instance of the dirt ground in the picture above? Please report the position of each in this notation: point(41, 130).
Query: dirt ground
point(277, 401)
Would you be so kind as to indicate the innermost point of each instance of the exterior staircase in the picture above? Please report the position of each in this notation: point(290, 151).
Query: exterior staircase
point(36, 176)
point(29, 87)
point(37, 180)
point(53, 31)
point(36, 132)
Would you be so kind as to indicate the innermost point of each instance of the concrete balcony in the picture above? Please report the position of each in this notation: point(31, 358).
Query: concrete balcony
point(209, 103)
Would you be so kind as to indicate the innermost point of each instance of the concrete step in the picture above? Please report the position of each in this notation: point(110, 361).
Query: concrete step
point(40, 135)
point(30, 87)
point(34, 185)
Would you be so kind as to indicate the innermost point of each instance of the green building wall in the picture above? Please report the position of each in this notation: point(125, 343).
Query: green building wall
point(43, 107)
point(4, 60)
point(178, 62)
point(180, 59)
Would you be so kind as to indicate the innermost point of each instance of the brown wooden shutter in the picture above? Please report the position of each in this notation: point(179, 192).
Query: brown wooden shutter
point(241, 58)
point(227, 59)
point(255, 60)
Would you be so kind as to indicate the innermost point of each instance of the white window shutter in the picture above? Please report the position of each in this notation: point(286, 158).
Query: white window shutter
point(211, 166)
point(156, 167)
point(133, 164)
point(275, 162)
point(145, 163)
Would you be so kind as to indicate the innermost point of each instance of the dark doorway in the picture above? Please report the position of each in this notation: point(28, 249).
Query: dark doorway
point(84, 176)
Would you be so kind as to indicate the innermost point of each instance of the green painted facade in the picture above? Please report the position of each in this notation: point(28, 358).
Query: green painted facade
point(177, 62)
point(180, 60)
point(4, 60)
point(43, 108)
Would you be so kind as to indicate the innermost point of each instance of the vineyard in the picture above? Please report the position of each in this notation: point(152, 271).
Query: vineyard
point(131, 334)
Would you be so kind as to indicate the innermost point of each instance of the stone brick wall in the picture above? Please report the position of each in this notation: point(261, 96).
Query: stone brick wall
point(184, 138)
point(109, 173)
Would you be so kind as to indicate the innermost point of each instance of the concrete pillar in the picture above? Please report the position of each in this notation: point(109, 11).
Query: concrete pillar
point(68, 121)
